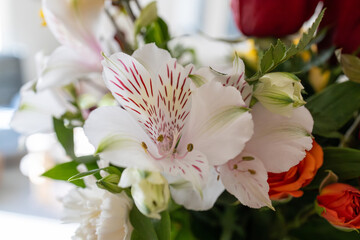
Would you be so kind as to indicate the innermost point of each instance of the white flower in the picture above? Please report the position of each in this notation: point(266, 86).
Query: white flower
point(76, 24)
point(279, 92)
point(37, 109)
point(278, 143)
point(102, 215)
point(184, 193)
point(165, 126)
point(150, 190)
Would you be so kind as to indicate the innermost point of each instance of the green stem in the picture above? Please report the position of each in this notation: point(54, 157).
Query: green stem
point(302, 217)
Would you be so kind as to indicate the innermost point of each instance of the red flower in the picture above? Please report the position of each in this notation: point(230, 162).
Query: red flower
point(285, 184)
point(341, 203)
point(271, 18)
point(343, 19)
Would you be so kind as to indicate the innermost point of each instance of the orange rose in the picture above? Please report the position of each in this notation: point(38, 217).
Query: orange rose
point(341, 203)
point(285, 184)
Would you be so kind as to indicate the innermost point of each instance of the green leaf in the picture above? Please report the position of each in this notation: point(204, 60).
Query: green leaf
point(344, 162)
point(163, 226)
point(267, 60)
point(63, 172)
point(87, 159)
point(84, 174)
point(350, 65)
point(278, 54)
point(334, 107)
point(310, 34)
point(143, 227)
point(157, 32)
point(110, 183)
point(146, 17)
point(65, 136)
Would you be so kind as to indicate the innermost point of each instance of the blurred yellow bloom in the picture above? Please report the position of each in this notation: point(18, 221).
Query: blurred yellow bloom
point(318, 78)
point(305, 55)
point(251, 55)
point(43, 21)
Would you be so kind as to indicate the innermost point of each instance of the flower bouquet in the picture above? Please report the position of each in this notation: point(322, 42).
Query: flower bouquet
point(263, 148)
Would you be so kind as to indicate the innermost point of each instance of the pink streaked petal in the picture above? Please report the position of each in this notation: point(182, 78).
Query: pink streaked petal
point(132, 86)
point(246, 178)
point(174, 95)
point(194, 168)
point(234, 78)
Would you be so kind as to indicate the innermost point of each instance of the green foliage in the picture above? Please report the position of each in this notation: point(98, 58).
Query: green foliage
point(110, 183)
point(88, 159)
point(350, 65)
point(157, 32)
point(334, 107)
point(65, 136)
point(344, 162)
point(163, 226)
point(279, 53)
point(111, 170)
point(146, 17)
point(149, 229)
point(63, 172)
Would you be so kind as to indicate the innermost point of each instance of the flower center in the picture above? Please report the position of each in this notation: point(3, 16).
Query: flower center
point(167, 146)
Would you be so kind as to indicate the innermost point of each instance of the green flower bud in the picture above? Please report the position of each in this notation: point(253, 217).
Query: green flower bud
point(150, 191)
point(279, 92)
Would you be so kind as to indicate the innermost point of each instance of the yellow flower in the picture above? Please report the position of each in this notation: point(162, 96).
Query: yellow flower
point(318, 78)
point(250, 56)
point(43, 21)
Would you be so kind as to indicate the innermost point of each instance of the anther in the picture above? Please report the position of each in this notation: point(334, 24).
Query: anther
point(144, 146)
point(247, 158)
point(190, 147)
point(252, 171)
point(235, 166)
point(160, 138)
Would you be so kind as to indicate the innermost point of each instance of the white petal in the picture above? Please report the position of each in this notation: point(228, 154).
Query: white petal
point(280, 142)
point(184, 193)
point(235, 79)
point(152, 58)
point(114, 222)
point(36, 110)
point(65, 65)
point(194, 168)
point(246, 180)
point(219, 124)
point(118, 138)
point(162, 104)
point(75, 23)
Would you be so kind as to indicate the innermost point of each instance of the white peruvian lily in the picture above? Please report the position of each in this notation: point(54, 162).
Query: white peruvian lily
point(37, 109)
point(278, 143)
point(163, 125)
point(76, 25)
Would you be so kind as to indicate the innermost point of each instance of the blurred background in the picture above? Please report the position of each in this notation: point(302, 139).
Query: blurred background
point(27, 199)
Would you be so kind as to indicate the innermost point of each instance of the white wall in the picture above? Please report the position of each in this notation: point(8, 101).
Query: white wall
point(22, 33)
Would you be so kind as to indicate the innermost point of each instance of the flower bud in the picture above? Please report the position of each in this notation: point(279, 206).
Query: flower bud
point(340, 204)
point(150, 191)
point(279, 92)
